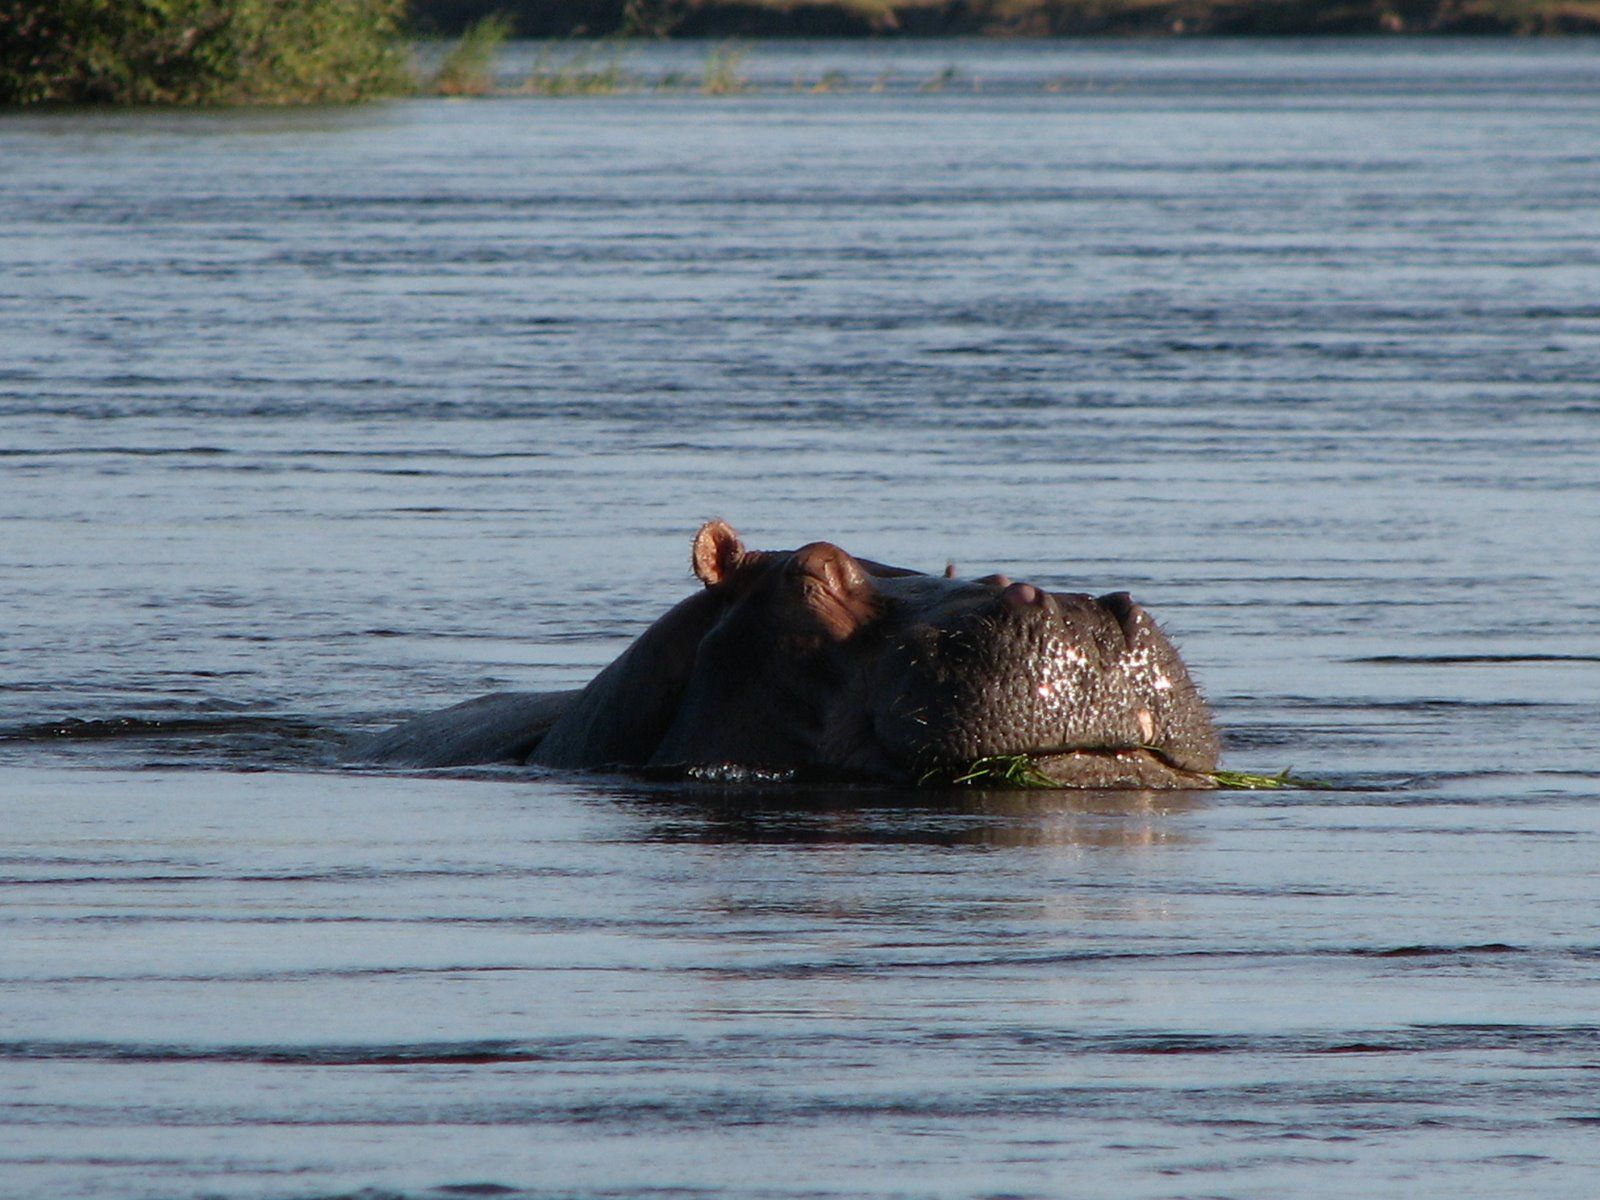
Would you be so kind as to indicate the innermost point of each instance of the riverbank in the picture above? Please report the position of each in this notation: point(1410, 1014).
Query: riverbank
point(1258, 71)
point(1042, 18)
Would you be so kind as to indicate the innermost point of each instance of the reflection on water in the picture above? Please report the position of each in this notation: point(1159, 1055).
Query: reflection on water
point(309, 421)
point(1105, 820)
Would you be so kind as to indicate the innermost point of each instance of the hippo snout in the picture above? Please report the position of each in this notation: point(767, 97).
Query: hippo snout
point(1129, 616)
point(1063, 623)
point(1018, 669)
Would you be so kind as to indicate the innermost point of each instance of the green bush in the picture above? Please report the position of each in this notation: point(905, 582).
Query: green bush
point(201, 52)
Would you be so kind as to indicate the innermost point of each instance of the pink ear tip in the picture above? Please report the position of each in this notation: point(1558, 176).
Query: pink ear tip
point(717, 551)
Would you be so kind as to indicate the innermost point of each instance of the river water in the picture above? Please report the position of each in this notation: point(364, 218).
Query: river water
point(312, 420)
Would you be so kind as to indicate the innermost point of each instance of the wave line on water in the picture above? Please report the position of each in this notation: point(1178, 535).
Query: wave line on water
point(1400, 1039)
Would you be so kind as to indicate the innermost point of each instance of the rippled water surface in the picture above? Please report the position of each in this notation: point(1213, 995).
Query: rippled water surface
point(313, 420)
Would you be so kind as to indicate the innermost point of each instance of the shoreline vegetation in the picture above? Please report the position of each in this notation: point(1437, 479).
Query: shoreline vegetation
point(1008, 18)
point(595, 68)
point(202, 53)
point(216, 53)
point(583, 64)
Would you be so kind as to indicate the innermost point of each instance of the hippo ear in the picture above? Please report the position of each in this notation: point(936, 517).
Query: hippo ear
point(717, 552)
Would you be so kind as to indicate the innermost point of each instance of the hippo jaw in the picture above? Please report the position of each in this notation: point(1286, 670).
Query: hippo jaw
point(1089, 690)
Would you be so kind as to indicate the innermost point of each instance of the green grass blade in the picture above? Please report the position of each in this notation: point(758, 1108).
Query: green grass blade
point(1244, 781)
point(1022, 771)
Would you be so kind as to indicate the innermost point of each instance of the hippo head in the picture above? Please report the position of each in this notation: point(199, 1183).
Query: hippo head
point(814, 659)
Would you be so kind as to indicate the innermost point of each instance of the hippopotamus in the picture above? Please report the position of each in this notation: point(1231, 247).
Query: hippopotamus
point(814, 663)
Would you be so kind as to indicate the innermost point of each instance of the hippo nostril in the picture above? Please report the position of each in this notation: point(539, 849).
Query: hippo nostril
point(1128, 614)
point(1022, 595)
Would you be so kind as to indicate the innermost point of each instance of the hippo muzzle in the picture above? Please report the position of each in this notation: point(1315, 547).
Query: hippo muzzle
point(1017, 670)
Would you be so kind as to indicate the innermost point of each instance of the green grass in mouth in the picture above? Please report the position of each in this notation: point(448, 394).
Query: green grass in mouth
point(1001, 770)
point(1022, 771)
point(1243, 781)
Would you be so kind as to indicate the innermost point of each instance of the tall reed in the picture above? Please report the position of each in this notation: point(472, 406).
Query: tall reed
point(579, 75)
point(724, 74)
point(468, 70)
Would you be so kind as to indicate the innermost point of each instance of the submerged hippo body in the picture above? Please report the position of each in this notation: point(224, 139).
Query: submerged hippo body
point(815, 662)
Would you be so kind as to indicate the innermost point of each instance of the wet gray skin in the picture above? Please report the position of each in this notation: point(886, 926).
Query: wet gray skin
point(1090, 687)
point(815, 662)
